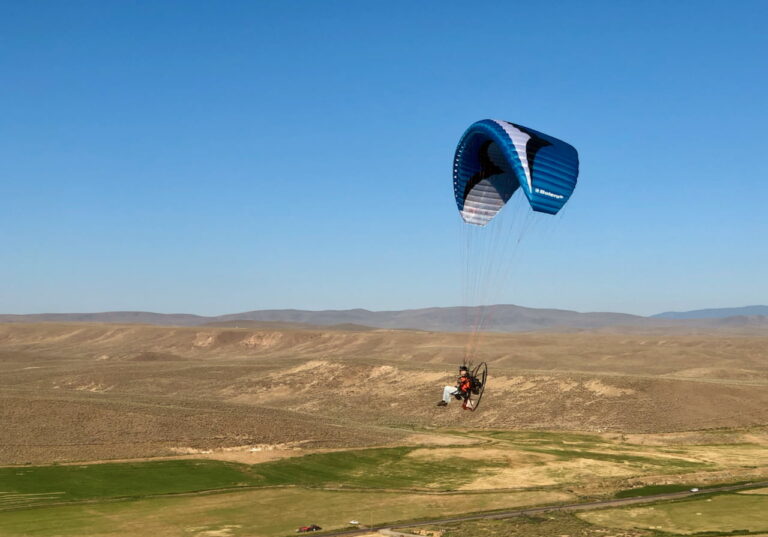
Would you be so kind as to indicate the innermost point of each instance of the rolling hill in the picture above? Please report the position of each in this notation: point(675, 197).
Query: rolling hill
point(74, 391)
point(497, 318)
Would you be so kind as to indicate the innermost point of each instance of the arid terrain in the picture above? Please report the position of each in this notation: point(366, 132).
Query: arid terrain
point(99, 391)
point(204, 431)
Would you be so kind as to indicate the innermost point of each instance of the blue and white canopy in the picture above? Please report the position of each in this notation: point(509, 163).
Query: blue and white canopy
point(494, 158)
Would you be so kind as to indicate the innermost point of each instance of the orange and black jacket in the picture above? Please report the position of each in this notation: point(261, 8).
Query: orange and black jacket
point(464, 384)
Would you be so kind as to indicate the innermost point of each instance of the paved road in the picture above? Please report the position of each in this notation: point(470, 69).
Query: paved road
point(561, 507)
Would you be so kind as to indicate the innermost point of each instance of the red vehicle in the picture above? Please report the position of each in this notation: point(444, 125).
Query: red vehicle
point(312, 527)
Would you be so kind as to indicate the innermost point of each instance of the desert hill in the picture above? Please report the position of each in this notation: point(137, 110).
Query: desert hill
point(74, 391)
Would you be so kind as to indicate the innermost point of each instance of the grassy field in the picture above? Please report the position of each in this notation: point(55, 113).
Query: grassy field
point(499, 470)
point(33, 485)
point(650, 490)
point(725, 513)
point(390, 468)
point(568, 446)
point(375, 468)
point(264, 513)
point(504, 460)
point(744, 513)
point(283, 495)
point(599, 465)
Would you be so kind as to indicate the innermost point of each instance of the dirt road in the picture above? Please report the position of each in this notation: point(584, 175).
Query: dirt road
point(562, 507)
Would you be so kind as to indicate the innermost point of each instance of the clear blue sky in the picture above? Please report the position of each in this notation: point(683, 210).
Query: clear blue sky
point(215, 157)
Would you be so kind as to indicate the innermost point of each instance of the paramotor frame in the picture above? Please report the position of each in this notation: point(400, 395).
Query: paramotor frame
point(479, 376)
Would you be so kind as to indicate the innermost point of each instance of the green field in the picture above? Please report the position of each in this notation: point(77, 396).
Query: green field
point(265, 512)
point(499, 471)
point(22, 485)
point(724, 513)
point(650, 490)
point(390, 468)
point(379, 468)
point(184, 497)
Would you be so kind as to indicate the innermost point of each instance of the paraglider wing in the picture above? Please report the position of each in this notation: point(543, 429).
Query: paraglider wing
point(494, 158)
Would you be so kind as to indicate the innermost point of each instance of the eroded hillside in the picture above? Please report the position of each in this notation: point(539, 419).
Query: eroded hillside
point(93, 391)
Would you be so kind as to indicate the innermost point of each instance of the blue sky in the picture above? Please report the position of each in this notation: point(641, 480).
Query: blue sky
point(215, 157)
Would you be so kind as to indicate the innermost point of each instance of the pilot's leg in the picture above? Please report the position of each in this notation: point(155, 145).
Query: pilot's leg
point(448, 393)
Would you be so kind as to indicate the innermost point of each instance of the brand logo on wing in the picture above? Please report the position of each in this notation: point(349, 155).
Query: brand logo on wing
point(548, 193)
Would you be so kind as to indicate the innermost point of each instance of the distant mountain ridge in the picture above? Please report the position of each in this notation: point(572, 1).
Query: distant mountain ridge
point(497, 318)
point(500, 318)
point(118, 317)
point(714, 313)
